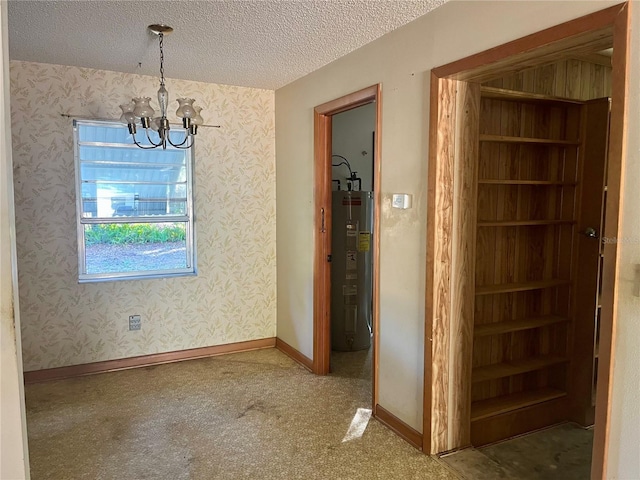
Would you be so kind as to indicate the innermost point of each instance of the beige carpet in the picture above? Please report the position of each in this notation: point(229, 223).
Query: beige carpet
point(254, 415)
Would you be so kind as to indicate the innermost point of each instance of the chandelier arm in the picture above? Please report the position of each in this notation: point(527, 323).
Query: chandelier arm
point(182, 144)
point(153, 145)
point(190, 144)
point(192, 141)
point(178, 145)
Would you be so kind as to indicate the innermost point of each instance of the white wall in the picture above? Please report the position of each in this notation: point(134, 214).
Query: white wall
point(14, 461)
point(401, 62)
point(233, 297)
point(351, 135)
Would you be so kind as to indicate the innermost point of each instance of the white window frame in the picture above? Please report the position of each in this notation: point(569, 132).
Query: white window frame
point(188, 219)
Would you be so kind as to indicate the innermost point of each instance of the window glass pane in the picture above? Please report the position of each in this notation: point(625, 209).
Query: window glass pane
point(116, 133)
point(135, 247)
point(106, 200)
point(126, 154)
point(132, 174)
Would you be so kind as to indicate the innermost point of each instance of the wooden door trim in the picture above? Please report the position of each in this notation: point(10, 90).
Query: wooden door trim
point(322, 241)
point(606, 27)
point(450, 256)
point(615, 169)
point(577, 37)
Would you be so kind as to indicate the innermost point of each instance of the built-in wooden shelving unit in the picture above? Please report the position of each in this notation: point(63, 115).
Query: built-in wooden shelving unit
point(528, 177)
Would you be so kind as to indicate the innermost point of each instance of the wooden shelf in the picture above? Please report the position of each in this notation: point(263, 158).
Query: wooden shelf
point(499, 328)
point(496, 181)
point(522, 223)
point(516, 367)
point(508, 403)
point(535, 141)
point(515, 96)
point(519, 287)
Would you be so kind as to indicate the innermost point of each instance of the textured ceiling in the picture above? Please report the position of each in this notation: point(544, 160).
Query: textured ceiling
point(263, 43)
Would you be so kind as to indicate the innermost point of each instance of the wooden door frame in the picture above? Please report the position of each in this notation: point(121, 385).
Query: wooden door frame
point(448, 333)
point(322, 227)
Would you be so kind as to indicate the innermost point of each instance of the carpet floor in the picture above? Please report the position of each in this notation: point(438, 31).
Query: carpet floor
point(252, 415)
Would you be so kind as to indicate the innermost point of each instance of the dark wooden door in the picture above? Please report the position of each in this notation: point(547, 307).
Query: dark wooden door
point(589, 247)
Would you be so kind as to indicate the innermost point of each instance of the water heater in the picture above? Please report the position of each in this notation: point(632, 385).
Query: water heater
point(351, 270)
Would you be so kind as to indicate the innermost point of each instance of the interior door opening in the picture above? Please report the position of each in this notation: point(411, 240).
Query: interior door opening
point(519, 315)
point(536, 313)
point(352, 216)
point(347, 169)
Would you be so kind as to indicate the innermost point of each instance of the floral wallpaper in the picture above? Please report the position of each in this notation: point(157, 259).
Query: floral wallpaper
point(233, 297)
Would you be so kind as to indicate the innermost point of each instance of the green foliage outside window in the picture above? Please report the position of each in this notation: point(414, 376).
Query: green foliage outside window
point(127, 233)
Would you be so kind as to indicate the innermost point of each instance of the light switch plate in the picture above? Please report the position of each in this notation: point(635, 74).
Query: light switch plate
point(401, 200)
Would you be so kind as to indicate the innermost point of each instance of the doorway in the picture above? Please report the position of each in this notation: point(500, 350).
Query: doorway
point(365, 239)
point(452, 285)
point(352, 211)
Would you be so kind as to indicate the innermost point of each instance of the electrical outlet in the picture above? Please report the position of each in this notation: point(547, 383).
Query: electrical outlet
point(135, 322)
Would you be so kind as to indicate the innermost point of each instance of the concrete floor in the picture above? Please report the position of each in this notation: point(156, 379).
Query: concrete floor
point(558, 453)
point(356, 365)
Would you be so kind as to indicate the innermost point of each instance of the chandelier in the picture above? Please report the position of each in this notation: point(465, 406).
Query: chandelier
point(139, 110)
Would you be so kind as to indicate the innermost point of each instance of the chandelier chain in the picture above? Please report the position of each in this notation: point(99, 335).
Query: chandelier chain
point(161, 59)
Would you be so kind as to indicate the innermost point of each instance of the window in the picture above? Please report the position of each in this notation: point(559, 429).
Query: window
point(134, 206)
